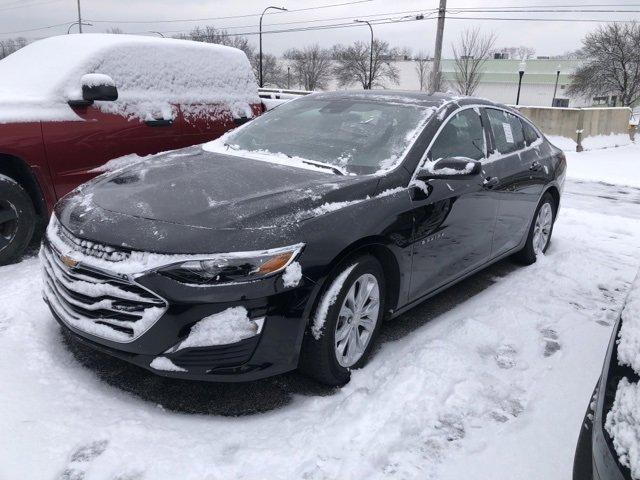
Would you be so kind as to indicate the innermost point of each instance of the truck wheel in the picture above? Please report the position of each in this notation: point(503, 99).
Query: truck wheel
point(345, 322)
point(17, 220)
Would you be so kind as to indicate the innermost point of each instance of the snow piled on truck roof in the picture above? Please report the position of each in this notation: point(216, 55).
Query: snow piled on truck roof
point(150, 74)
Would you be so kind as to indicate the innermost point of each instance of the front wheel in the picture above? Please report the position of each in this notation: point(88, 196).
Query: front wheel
point(345, 322)
point(17, 220)
point(540, 231)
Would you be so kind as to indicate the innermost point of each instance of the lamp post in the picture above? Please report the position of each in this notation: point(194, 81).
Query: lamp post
point(370, 52)
point(79, 26)
point(157, 33)
point(521, 70)
point(555, 89)
point(260, 59)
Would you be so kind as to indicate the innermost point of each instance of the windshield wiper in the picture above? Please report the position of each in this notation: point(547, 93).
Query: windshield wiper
point(337, 170)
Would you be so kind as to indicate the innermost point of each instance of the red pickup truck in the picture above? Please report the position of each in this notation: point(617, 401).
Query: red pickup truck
point(69, 104)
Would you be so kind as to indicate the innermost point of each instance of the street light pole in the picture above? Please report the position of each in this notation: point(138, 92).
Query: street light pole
point(523, 66)
point(260, 55)
point(370, 52)
point(555, 89)
point(80, 24)
point(157, 33)
point(79, 18)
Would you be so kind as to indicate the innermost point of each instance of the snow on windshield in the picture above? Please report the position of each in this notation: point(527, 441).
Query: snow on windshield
point(358, 135)
point(151, 74)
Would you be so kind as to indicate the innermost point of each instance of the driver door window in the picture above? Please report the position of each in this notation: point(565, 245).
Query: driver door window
point(462, 136)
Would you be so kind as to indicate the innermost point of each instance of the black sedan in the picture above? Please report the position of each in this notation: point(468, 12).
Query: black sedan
point(288, 241)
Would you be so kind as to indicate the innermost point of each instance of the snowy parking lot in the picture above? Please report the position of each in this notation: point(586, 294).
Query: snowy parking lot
point(492, 376)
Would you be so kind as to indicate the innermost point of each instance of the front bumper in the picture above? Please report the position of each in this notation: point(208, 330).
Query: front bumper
point(274, 350)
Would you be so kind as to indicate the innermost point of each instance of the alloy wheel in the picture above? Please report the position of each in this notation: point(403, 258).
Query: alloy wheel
point(8, 223)
point(542, 228)
point(357, 320)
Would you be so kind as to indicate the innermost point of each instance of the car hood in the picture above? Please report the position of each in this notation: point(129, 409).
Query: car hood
point(195, 190)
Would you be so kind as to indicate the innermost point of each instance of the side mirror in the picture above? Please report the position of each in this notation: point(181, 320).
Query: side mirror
point(96, 86)
point(450, 168)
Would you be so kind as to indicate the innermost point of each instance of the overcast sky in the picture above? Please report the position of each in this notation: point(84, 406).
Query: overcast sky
point(548, 38)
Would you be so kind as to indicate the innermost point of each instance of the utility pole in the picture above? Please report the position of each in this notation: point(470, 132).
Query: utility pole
point(436, 74)
point(79, 18)
point(282, 9)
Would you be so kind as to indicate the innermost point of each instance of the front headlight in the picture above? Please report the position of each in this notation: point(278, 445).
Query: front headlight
point(233, 267)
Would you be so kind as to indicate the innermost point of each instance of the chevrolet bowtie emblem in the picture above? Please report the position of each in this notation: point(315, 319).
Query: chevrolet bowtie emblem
point(68, 261)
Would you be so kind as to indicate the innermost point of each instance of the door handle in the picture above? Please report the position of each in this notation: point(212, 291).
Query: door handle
point(535, 166)
point(158, 122)
point(490, 182)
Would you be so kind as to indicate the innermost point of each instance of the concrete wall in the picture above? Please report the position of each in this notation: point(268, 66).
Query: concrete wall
point(579, 123)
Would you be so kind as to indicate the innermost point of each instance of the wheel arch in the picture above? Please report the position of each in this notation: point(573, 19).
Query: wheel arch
point(378, 248)
point(15, 168)
point(555, 193)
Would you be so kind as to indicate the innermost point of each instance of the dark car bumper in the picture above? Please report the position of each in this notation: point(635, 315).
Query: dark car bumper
point(274, 349)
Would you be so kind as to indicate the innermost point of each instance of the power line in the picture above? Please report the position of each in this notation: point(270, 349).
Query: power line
point(36, 29)
point(26, 5)
point(231, 16)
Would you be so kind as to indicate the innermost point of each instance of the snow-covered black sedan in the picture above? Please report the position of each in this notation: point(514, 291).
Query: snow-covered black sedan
point(287, 242)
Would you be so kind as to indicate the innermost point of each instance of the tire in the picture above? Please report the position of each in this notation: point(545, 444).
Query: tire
point(533, 246)
point(17, 220)
point(320, 358)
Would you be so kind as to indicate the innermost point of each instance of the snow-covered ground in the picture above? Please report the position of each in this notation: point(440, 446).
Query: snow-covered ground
point(492, 376)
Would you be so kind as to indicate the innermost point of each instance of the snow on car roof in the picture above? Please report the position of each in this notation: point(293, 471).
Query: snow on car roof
point(48, 72)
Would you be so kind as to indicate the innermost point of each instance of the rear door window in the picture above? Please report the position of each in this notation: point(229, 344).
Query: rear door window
point(507, 131)
point(462, 136)
point(530, 134)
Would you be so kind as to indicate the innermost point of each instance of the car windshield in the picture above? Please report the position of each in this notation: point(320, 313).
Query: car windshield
point(355, 135)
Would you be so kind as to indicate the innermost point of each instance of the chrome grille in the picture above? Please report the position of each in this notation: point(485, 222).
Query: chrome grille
point(97, 302)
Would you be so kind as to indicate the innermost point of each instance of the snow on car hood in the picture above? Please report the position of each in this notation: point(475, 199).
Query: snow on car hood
point(218, 192)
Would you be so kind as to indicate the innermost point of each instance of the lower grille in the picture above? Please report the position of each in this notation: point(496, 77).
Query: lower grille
point(208, 358)
point(96, 302)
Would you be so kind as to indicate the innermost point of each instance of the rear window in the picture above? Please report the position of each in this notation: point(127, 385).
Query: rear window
point(507, 131)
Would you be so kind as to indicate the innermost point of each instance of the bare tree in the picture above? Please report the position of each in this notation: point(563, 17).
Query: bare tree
point(423, 70)
point(525, 53)
point(114, 30)
point(311, 66)
point(612, 64)
point(10, 45)
point(273, 74)
point(470, 54)
point(352, 64)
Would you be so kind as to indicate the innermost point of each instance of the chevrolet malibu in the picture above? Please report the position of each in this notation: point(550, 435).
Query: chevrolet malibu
point(285, 243)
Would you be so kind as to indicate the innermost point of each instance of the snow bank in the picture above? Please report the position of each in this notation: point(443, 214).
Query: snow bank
point(629, 337)
point(151, 74)
point(619, 166)
point(228, 326)
point(623, 424)
point(328, 299)
point(591, 143)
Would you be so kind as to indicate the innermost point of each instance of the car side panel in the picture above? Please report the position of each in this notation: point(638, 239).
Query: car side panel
point(24, 141)
point(208, 122)
point(75, 148)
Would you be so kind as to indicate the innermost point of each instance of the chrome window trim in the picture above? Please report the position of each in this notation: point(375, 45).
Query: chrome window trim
point(422, 161)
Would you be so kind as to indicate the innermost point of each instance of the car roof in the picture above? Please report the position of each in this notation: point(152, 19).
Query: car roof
point(409, 97)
